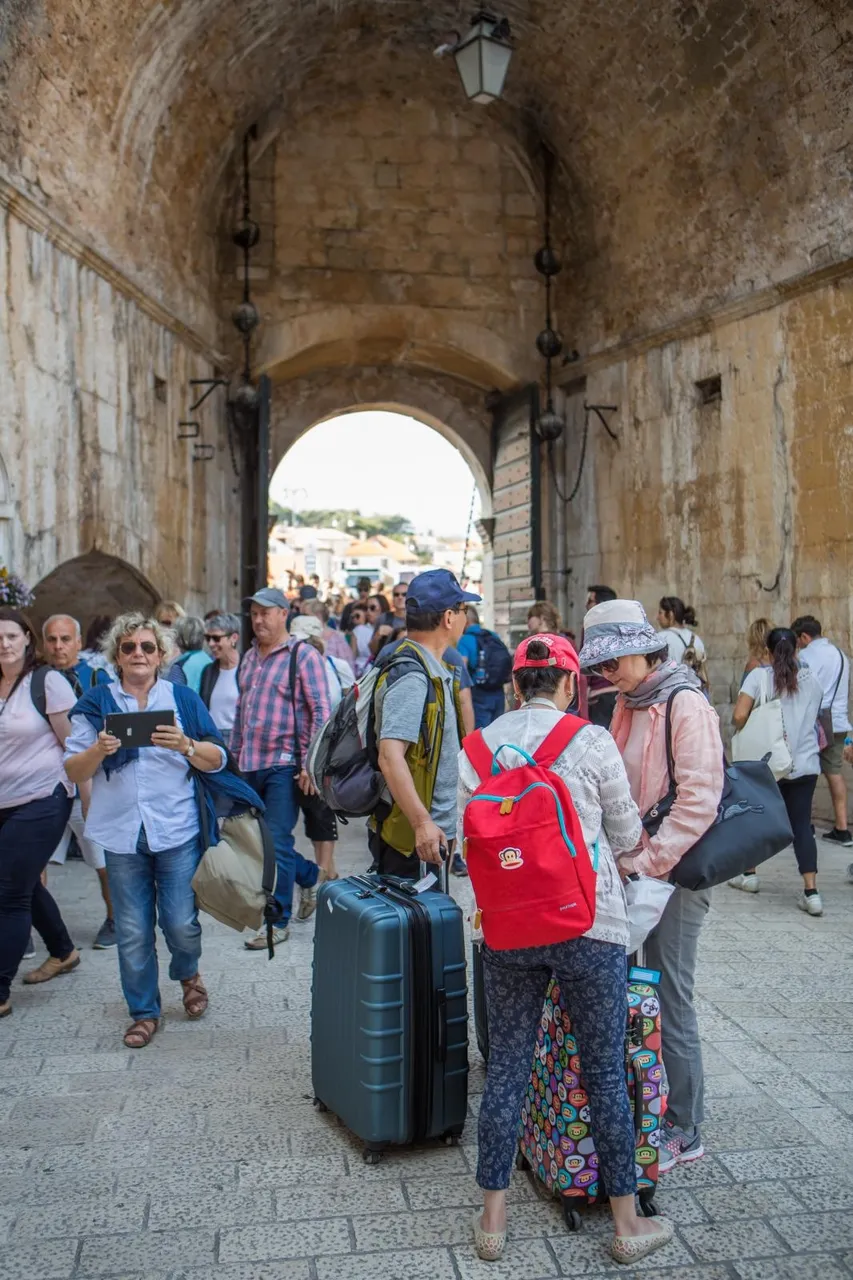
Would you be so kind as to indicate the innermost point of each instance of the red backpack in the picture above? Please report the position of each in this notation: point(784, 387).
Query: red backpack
point(533, 877)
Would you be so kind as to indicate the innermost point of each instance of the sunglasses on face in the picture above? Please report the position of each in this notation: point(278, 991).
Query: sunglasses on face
point(605, 668)
point(400, 595)
point(130, 646)
point(215, 639)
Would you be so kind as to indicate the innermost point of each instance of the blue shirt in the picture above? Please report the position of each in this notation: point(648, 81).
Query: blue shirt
point(468, 645)
point(192, 664)
point(156, 791)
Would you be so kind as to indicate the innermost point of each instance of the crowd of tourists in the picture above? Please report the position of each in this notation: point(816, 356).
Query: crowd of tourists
point(232, 727)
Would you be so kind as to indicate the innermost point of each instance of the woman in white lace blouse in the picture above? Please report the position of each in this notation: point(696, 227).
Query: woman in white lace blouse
point(591, 969)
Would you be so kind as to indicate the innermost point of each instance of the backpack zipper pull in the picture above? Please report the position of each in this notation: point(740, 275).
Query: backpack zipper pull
point(506, 804)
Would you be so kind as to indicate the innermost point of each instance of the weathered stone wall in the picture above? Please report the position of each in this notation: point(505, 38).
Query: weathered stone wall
point(92, 390)
point(740, 506)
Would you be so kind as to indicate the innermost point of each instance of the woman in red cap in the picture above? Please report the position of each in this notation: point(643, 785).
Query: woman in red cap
point(590, 969)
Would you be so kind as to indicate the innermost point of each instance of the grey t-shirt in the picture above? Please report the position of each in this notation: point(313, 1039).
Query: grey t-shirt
point(400, 714)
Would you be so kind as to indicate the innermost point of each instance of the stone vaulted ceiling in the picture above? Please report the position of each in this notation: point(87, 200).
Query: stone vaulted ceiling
point(710, 138)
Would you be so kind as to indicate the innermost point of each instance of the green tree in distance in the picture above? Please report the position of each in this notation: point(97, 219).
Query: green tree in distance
point(350, 521)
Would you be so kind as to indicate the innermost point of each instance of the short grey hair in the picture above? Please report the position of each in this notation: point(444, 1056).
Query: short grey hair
point(189, 633)
point(127, 624)
point(55, 617)
point(315, 609)
point(228, 623)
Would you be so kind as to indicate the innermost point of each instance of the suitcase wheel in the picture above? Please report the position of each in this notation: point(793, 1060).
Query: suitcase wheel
point(371, 1157)
point(648, 1208)
point(321, 1106)
point(571, 1217)
point(452, 1139)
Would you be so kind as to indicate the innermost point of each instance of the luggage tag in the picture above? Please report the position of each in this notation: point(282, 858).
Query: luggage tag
point(637, 974)
point(425, 882)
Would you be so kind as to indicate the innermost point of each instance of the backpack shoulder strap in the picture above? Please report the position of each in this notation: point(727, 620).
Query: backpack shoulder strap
point(558, 739)
point(37, 691)
point(479, 755)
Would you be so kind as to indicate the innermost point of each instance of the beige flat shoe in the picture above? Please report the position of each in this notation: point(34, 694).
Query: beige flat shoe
point(629, 1249)
point(52, 968)
point(5, 1009)
point(489, 1244)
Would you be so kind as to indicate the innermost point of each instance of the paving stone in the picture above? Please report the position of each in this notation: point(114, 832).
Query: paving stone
point(295, 1269)
point(755, 1166)
point(746, 1200)
point(531, 1259)
point(341, 1199)
point(733, 1240)
point(85, 1214)
point(103, 1255)
point(213, 1209)
point(681, 1206)
point(284, 1240)
point(822, 1195)
point(293, 1171)
point(52, 1260)
point(414, 1264)
point(583, 1255)
point(432, 1193)
point(817, 1267)
point(820, 1232)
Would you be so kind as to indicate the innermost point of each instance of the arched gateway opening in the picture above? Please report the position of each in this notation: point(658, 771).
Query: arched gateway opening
point(380, 460)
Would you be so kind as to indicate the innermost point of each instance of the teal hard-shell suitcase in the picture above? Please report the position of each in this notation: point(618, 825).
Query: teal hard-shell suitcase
point(389, 1018)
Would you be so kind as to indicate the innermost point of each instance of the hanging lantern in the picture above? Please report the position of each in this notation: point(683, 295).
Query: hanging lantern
point(483, 57)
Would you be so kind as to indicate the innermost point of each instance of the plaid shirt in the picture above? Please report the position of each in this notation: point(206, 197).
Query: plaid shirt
point(267, 723)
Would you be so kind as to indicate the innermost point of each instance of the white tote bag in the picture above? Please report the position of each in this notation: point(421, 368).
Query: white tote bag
point(764, 732)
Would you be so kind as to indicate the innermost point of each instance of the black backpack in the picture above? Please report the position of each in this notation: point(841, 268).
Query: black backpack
point(494, 662)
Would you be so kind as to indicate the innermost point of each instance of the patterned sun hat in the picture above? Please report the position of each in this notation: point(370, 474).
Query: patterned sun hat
point(614, 630)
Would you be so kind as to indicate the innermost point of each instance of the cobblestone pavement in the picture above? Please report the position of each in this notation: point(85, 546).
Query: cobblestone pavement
point(202, 1156)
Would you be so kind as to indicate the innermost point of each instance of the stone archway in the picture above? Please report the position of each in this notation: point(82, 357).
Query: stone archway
point(91, 584)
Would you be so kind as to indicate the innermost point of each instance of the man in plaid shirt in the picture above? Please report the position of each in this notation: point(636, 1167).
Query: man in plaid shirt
point(271, 735)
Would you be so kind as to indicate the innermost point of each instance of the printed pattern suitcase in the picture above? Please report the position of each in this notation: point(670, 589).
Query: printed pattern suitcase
point(389, 1016)
point(555, 1143)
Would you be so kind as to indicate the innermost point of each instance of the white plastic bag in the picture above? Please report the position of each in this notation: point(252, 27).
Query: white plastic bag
point(647, 899)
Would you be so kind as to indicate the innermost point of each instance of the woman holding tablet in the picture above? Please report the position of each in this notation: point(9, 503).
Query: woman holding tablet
point(145, 812)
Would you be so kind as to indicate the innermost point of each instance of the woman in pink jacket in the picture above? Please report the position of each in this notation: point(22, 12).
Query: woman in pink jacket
point(621, 644)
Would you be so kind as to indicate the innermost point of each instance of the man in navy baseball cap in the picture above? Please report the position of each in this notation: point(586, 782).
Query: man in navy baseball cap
point(435, 591)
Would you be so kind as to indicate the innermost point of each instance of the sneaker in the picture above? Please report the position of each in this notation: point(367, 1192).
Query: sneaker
point(748, 882)
point(457, 866)
point(308, 897)
point(106, 936)
point(810, 903)
point(676, 1147)
point(30, 952)
point(843, 838)
point(259, 942)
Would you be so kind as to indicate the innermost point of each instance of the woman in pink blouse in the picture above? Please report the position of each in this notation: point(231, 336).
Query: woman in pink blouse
point(621, 644)
point(35, 801)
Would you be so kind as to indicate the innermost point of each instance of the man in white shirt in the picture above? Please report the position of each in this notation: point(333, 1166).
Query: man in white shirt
point(219, 688)
point(832, 668)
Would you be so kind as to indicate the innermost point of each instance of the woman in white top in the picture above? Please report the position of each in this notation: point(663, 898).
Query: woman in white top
point(590, 969)
point(677, 623)
point(800, 695)
point(35, 802)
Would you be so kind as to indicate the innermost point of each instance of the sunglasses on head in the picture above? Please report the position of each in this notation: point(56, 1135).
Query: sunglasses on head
point(605, 668)
point(130, 646)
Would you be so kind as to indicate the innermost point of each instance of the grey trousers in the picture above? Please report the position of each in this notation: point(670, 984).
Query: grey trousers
point(672, 948)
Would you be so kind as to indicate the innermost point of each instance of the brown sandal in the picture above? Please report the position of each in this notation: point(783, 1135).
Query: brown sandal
point(195, 997)
point(140, 1033)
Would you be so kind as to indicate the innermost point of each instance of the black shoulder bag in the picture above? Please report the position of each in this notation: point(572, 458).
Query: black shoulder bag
point(751, 824)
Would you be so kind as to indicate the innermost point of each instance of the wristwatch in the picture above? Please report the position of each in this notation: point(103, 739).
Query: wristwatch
point(190, 750)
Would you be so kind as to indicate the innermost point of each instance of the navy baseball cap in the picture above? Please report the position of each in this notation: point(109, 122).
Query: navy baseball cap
point(307, 592)
point(270, 598)
point(435, 591)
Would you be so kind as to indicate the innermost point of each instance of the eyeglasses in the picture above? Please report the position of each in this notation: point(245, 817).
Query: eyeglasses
point(215, 639)
point(459, 608)
point(373, 608)
point(605, 668)
point(400, 595)
point(130, 646)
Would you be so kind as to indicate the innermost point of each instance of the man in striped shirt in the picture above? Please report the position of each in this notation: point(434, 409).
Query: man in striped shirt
point(283, 701)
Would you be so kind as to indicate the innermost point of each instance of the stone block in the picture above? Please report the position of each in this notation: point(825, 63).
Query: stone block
point(285, 1240)
point(108, 1254)
point(387, 175)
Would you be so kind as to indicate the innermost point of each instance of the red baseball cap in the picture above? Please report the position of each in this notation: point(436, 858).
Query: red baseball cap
point(561, 653)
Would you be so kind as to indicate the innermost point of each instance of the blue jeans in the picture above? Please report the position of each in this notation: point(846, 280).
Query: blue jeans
point(592, 980)
point(488, 705)
point(29, 833)
point(277, 788)
point(146, 886)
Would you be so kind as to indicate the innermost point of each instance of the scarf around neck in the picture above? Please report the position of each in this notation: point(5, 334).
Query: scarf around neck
point(659, 684)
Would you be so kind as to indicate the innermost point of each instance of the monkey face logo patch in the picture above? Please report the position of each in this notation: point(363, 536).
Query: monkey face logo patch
point(510, 859)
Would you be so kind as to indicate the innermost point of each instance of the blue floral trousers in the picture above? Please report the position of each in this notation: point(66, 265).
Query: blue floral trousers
point(592, 978)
